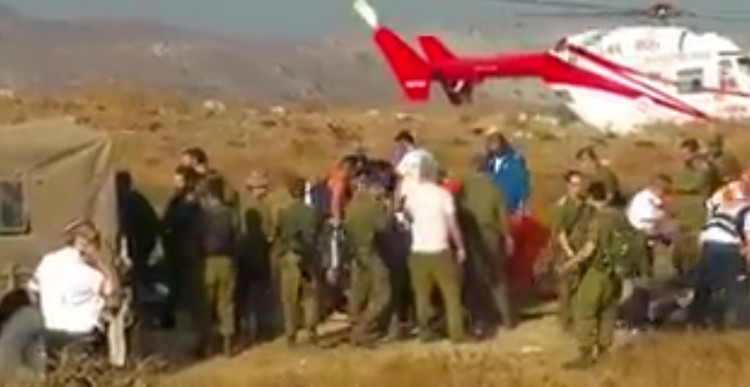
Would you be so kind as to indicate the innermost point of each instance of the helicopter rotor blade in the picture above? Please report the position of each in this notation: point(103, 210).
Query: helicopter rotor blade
point(565, 4)
point(596, 14)
point(715, 17)
point(724, 19)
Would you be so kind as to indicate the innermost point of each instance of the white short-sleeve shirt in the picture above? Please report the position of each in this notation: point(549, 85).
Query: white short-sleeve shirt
point(70, 292)
point(431, 209)
point(645, 211)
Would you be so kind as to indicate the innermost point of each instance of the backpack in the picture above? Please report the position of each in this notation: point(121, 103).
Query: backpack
point(621, 255)
point(735, 225)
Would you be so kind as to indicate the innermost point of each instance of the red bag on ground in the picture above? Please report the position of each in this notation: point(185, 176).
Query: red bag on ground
point(530, 240)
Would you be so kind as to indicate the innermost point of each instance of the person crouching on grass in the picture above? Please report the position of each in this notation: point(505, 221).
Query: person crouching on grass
point(72, 286)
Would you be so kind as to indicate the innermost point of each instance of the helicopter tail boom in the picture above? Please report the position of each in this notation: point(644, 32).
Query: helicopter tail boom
point(434, 49)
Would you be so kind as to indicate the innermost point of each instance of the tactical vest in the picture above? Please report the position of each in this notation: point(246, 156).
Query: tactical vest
point(616, 257)
point(732, 224)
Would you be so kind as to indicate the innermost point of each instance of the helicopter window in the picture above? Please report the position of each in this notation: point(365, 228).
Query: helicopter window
point(744, 65)
point(690, 81)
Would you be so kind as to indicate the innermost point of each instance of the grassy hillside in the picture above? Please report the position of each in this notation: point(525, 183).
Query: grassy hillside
point(150, 128)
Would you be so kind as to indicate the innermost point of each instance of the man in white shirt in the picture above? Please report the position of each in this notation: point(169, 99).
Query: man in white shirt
point(647, 213)
point(434, 232)
point(412, 163)
point(721, 286)
point(71, 287)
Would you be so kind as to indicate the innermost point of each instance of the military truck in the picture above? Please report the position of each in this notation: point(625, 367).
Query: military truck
point(51, 173)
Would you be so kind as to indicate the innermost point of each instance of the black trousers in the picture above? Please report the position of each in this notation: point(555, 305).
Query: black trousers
point(722, 290)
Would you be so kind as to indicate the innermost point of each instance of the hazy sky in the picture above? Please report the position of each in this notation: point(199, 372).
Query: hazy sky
point(314, 18)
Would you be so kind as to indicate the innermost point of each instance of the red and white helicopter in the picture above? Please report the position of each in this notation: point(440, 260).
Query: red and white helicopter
point(615, 79)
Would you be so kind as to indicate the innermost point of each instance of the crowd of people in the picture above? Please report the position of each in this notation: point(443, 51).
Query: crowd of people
point(400, 247)
point(390, 243)
point(608, 245)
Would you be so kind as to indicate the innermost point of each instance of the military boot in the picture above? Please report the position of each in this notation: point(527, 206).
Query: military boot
point(395, 330)
point(227, 346)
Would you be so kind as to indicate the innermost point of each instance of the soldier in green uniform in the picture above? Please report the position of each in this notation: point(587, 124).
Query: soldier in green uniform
point(219, 231)
point(701, 178)
point(257, 275)
point(596, 171)
point(298, 259)
point(365, 216)
point(728, 166)
point(484, 225)
point(601, 260)
point(197, 159)
point(697, 181)
point(571, 215)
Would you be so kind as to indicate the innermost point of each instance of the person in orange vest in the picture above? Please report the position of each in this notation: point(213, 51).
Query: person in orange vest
point(339, 185)
point(734, 190)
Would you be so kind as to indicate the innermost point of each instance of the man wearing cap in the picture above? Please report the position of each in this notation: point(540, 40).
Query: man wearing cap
point(507, 169)
point(72, 285)
point(370, 287)
point(726, 163)
point(256, 276)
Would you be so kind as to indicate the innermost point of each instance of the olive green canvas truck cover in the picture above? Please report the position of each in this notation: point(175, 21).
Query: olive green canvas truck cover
point(51, 173)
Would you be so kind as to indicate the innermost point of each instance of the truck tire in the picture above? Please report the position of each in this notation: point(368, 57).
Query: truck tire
point(21, 343)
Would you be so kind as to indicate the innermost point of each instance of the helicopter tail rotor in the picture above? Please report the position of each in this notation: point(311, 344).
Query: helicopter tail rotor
point(660, 11)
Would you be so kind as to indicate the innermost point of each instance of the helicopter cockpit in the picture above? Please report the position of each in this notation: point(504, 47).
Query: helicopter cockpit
point(743, 65)
point(734, 73)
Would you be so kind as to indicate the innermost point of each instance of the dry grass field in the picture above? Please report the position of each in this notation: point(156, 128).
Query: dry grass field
point(150, 128)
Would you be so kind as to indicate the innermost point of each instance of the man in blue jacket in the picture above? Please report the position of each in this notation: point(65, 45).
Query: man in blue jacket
point(507, 169)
